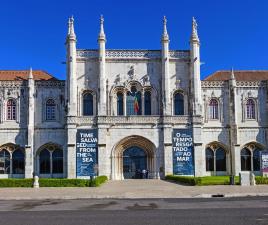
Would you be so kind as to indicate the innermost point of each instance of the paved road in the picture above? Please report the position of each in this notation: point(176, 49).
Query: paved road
point(216, 211)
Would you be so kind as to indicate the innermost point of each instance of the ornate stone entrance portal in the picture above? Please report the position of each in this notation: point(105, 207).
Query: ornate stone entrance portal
point(132, 155)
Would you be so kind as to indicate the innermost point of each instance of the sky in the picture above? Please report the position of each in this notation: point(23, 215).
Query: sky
point(233, 33)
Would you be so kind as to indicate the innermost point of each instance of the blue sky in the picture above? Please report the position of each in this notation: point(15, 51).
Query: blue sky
point(232, 33)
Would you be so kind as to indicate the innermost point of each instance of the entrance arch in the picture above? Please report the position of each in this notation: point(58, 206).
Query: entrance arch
point(144, 148)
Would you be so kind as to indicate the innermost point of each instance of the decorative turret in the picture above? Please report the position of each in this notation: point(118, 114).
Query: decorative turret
point(195, 70)
point(194, 36)
point(71, 87)
point(165, 70)
point(102, 75)
point(232, 79)
point(165, 36)
point(71, 35)
point(101, 34)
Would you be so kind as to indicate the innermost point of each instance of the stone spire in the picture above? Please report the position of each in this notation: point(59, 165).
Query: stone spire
point(101, 34)
point(71, 33)
point(232, 74)
point(165, 36)
point(194, 36)
point(30, 76)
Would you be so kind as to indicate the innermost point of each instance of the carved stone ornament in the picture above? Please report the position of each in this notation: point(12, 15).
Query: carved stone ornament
point(131, 73)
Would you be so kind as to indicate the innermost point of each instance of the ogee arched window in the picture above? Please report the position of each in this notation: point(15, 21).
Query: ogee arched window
point(178, 104)
point(147, 103)
point(87, 104)
point(18, 163)
point(120, 104)
point(245, 160)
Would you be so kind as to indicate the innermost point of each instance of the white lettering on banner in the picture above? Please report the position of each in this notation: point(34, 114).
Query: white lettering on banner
point(182, 142)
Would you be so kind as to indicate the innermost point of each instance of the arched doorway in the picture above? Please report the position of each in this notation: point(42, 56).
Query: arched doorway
point(134, 162)
point(133, 153)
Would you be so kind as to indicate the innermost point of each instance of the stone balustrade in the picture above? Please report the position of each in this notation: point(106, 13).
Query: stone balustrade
point(146, 120)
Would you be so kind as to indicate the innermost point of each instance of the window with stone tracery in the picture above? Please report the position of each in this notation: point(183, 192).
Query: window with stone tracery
point(250, 109)
point(215, 159)
point(250, 158)
point(11, 109)
point(51, 160)
point(50, 110)
point(213, 109)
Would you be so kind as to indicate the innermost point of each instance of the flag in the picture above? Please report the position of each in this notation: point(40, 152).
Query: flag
point(136, 104)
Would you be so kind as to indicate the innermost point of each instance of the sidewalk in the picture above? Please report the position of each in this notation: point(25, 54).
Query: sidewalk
point(133, 189)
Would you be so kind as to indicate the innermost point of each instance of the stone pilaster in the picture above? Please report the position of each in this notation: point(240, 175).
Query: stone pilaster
point(195, 71)
point(102, 74)
point(71, 101)
point(29, 149)
point(166, 101)
point(234, 133)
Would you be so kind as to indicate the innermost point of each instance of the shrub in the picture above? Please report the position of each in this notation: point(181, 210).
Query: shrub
point(98, 181)
point(202, 181)
point(54, 182)
point(183, 179)
point(261, 180)
point(12, 182)
point(59, 182)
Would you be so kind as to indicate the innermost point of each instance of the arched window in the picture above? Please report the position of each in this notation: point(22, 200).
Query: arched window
point(178, 104)
point(209, 159)
point(18, 164)
point(213, 109)
point(4, 162)
point(147, 103)
point(250, 107)
point(50, 109)
point(44, 161)
point(88, 104)
point(120, 104)
point(57, 161)
point(134, 102)
point(11, 109)
point(256, 159)
point(220, 160)
point(245, 160)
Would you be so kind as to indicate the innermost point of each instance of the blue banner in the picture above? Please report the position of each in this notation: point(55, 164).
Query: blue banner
point(86, 153)
point(183, 152)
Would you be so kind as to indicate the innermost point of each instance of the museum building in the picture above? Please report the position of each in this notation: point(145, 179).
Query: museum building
point(120, 112)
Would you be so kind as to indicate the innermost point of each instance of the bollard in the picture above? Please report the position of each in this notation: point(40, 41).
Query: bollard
point(36, 182)
point(252, 179)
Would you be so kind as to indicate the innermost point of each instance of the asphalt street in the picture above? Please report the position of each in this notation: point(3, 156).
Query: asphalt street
point(216, 211)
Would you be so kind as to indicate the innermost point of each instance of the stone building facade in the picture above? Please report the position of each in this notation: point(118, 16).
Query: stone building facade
point(138, 102)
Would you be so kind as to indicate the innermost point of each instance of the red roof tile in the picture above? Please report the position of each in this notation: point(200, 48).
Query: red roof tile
point(240, 75)
point(23, 75)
